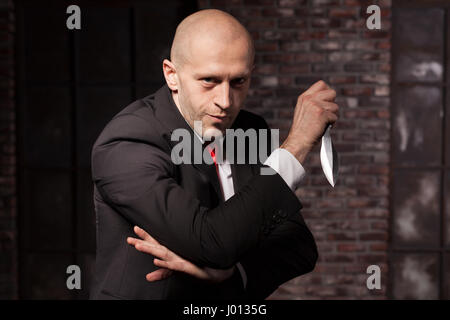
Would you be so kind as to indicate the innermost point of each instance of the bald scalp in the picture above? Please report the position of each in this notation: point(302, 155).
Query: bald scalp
point(209, 24)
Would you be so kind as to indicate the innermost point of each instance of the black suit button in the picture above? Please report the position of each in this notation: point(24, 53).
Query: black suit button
point(282, 213)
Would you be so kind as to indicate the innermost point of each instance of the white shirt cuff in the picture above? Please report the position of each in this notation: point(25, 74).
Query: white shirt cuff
point(243, 274)
point(287, 166)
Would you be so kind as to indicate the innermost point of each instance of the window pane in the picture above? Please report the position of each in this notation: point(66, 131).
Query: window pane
point(418, 66)
point(417, 125)
point(45, 276)
point(416, 208)
point(447, 277)
point(415, 276)
point(47, 43)
point(419, 27)
point(47, 126)
point(105, 45)
point(96, 108)
point(153, 46)
point(49, 210)
point(85, 212)
point(447, 209)
point(143, 91)
point(87, 266)
point(447, 129)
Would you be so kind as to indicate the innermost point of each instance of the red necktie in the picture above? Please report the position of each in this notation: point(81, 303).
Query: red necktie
point(212, 152)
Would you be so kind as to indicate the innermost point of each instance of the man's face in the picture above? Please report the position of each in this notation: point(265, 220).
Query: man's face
point(213, 84)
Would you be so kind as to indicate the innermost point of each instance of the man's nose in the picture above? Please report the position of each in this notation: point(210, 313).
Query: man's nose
point(223, 98)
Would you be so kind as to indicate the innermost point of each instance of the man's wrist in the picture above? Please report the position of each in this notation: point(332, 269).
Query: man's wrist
point(298, 151)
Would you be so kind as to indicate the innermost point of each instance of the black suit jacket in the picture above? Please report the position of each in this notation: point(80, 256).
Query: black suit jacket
point(136, 183)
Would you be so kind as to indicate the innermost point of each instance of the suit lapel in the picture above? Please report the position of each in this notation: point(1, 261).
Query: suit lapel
point(241, 174)
point(170, 119)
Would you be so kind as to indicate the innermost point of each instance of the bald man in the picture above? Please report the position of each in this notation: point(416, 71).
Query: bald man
point(204, 230)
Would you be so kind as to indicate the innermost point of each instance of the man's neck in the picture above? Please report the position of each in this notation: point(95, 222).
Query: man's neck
point(177, 103)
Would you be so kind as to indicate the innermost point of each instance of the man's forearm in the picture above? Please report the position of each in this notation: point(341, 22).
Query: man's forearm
point(290, 251)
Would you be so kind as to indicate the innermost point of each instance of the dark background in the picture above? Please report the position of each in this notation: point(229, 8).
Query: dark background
point(391, 204)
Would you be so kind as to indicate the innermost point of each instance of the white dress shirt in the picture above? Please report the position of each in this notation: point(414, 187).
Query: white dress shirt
point(280, 160)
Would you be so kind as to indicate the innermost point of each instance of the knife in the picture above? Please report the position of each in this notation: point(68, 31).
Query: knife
point(329, 158)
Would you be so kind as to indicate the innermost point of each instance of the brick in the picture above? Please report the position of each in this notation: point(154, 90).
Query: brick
point(339, 214)
point(326, 45)
point(375, 78)
point(291, 3)
point(343, 13)
point(292, 23)
point(261, 24)
point(357, 136)
point(278, 58)
point(277, 35)
point(309, 57)
point(358, 67)
point(348, 236)
point(350, 247)
point(267, 46)
point(342, 79)
point(374, 236)
point(299, 68)
point(360, 45)
point(325, 3)
point(278, 12)
point(362, 202)
point(341, 34)
point(325, 23)
point(372, 258)
point(265, 69)
point(294, 46)
point(339, 258)
point(311, 35)
point(373, 169)
point(379, 247)
point(339, 57)
point(258, 2)
point(326, 67)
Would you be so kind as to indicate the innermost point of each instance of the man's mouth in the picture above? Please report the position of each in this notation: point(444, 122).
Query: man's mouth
point(220, 118)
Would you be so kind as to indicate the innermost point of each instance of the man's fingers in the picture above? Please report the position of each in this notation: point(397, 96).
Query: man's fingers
point(326, 95)
point(329, 106)
point(331, 117)
point(155, 250)
point(159, 274)
point(182, 266)
point(144, 235)
point(163, 264)
point(316, 87)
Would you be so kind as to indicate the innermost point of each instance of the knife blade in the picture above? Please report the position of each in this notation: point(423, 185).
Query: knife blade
point(329, 158)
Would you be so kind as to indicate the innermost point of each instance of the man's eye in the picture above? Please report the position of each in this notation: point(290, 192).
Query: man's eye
point(208, 80)
point(239, 81)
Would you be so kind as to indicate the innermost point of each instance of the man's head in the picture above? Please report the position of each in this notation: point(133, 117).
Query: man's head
point(212, 57)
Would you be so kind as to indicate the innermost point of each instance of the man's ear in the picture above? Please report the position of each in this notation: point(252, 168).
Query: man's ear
point(170, 73)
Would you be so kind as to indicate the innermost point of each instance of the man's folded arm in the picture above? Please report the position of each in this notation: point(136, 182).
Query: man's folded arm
point(288, 252)
point(137, 178)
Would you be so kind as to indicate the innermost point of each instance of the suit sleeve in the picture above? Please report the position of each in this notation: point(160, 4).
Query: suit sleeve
point(288, 252)
point(136, 177)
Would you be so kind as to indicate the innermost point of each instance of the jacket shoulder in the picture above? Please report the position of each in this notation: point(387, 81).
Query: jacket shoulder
point(136, 122)
point(249, 120)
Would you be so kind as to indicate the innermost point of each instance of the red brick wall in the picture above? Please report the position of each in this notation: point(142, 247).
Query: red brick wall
point(299, 42)
point(8, 234)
